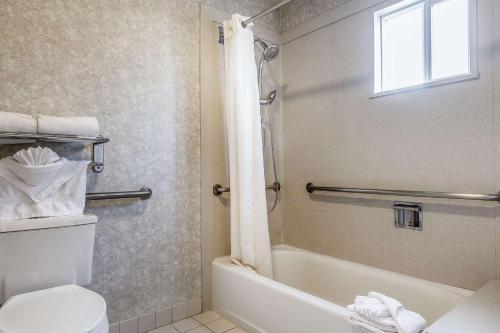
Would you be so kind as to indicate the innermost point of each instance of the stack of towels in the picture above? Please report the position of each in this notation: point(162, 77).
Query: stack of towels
point(36, 182)
point(11, 122)
point(381, 314)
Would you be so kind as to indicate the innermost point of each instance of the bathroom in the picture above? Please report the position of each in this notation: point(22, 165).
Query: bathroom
point(399, 143)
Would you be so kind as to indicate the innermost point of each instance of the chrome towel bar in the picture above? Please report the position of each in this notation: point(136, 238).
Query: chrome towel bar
point(219, 189)
point(311, 188)
point(144, 193)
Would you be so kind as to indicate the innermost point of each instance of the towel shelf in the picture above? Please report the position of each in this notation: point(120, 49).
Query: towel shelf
point(144, 193)
point(97, 143)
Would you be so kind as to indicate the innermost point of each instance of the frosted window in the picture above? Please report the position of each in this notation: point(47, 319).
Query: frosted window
point(419, 43)
point(450, 38)
point(402, 48)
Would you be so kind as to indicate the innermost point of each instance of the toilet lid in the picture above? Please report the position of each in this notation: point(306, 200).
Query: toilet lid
point(66, 309)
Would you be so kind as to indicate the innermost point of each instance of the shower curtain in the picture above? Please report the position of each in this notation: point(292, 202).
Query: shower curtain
point(250, 244)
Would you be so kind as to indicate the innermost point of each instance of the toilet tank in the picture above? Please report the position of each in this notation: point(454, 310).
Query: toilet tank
point(45, 252)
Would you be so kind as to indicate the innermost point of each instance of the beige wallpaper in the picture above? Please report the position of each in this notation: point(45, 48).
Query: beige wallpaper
point(300, 11)
point(437, 139)
point(135, 66)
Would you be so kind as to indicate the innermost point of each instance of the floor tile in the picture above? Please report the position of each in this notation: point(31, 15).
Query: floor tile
point(237, 330)
point(186, 325)
point(207, 317)
point(165, 329)
point(201, 329)
point(221, 325)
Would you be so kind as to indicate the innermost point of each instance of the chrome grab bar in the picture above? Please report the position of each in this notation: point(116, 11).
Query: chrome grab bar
point(144, 193)
point(219, 189)
point(311, 188)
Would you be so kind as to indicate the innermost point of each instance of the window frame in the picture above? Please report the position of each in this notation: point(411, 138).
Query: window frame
point(399, 6)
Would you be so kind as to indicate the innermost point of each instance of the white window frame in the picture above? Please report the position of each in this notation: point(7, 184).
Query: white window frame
point(396, 6)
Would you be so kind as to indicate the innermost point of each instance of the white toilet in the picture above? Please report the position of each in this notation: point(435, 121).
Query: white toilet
point(43, 262)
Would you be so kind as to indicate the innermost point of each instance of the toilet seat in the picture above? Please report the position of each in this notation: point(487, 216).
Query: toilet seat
point(66, 309)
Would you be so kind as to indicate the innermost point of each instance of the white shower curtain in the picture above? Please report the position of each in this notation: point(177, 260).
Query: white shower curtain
point(249, 229)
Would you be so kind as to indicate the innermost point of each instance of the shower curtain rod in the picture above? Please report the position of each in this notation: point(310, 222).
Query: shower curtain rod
point(264, 13)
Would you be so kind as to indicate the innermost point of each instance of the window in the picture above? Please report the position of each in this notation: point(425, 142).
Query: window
point(421, 43)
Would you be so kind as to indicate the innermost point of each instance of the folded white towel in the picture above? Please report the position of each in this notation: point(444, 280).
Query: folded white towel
point(48, 187)
point(382, 325)
point(64, 195)
point(36, 156)
point(369, 307)
point(82, 126)
point(35, 166)
point(385, 313)
point(11, 122)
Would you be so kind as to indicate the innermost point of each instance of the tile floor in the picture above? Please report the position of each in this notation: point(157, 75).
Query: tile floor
point(207, 322)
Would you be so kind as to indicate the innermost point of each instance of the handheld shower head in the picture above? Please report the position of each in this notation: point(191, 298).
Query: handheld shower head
point(269, 52)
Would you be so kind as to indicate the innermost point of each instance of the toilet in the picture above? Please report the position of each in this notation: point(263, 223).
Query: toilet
point(43, 265)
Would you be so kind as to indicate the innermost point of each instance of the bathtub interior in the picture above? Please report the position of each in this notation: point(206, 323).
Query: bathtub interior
point(339, 281)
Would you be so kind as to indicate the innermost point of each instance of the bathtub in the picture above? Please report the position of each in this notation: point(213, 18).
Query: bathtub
point(310, 291)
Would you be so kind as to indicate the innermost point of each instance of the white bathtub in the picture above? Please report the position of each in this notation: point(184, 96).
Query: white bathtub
point(310, 292)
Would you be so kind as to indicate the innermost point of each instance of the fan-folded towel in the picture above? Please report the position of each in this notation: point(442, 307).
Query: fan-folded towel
point(50, 187)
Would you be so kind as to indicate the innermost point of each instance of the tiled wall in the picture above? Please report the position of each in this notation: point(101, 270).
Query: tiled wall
point(439, 139)
point(135, 66)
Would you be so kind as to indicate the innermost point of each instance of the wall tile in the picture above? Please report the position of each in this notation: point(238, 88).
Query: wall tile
point(179, 312)
point(147, 322)
point(129, 326)
point(194, 307)
point(164, 316)
point(114, 328)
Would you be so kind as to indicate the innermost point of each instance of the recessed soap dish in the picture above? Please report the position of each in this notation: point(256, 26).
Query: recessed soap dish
point(408, 215)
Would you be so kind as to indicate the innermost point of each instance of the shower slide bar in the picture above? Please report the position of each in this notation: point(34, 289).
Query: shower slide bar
point(219, 189)
point(144, 193)
point(264, 13)
point(311, 188)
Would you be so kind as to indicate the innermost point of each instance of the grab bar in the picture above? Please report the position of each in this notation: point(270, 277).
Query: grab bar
point(311, 188)
point(219, 189)
point(144, 193)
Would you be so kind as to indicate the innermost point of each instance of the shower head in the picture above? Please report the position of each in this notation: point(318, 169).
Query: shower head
point(270, 98)
point(269, 52)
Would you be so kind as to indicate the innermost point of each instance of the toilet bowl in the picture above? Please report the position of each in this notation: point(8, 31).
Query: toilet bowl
point(65, 309)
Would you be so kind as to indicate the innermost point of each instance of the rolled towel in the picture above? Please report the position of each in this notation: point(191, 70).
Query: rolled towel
point(11, 122)
point(82, 126)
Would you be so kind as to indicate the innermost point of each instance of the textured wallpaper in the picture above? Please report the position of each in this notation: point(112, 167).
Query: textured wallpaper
point(300, 11)
point(135, 66)
point(249, 8)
